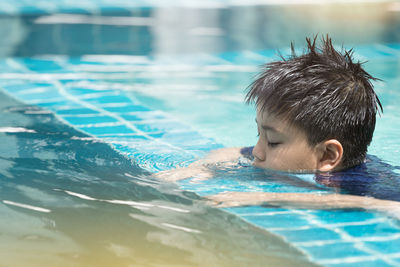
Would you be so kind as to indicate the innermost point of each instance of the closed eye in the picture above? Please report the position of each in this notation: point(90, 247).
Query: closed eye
point(270, 144)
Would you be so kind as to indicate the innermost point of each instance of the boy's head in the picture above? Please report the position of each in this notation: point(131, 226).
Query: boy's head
point(315, 112)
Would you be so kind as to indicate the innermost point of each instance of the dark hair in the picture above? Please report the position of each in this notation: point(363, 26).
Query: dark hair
point(324, 93)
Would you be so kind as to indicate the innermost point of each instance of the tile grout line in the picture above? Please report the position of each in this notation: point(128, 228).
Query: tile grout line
point(367, 222)
point(63, 92)
point(364, 239)
point(56, 83)
point(359, 244)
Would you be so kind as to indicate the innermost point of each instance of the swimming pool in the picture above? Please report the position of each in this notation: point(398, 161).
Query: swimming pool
point(67, 187)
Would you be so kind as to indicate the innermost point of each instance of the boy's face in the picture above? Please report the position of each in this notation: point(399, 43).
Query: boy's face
point(282, 146)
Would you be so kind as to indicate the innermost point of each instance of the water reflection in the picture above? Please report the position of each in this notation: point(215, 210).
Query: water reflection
point(67, 199)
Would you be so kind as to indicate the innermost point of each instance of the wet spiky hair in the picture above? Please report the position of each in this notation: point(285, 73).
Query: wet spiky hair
point(324, 93)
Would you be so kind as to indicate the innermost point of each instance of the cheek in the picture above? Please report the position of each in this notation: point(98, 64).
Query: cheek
point(278, 159)
point(303, 159)
point(290, 159)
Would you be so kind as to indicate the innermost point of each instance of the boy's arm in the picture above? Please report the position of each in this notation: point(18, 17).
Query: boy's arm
point(224, 157)
point(304, 200)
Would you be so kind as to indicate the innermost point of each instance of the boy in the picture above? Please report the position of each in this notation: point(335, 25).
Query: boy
point(315, 113)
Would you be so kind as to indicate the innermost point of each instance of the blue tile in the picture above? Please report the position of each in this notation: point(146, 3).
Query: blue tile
point(126, 109)
point(86, 91)
point(41, 65)
point(130, 117)
point(52, 93)
point(343, 216)
point(181, 138)
point(156, 135)
point(89, 120)
point(384, 247)
point(128, 138)
point(313, 234)
point(14, 88)
point(203, 148)
point(197, 143)
point(165, 126)
point(370, 230)
point(107, 130)
point(53, 104)
point(334, 251)
point(77, 111)
point(110, 99)
point(147, 128)
point(371, 263)
point(278, 220)
point(140, 116)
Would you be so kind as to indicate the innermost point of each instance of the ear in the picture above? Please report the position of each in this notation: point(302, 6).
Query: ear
point(330, 155)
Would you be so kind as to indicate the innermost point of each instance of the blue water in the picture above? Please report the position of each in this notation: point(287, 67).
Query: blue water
point(82, 132)
point(70, 199)
point(154, 128)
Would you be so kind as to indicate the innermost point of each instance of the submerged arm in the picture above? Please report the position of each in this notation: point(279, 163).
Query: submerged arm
point(304, 200)
point(224, 157)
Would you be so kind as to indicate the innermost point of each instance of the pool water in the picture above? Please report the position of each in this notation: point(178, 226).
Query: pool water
point(81, 135)
point(68, 199)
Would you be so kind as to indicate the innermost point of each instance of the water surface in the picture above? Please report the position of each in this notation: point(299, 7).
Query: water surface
point(69, 199)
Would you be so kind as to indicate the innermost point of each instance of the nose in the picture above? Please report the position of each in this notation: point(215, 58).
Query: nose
point(258, 151)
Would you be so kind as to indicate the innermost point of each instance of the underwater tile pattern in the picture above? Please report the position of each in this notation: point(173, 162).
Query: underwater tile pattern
point(88, 94)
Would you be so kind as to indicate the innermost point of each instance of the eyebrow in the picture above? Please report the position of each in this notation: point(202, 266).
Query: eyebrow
point(268, 128)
